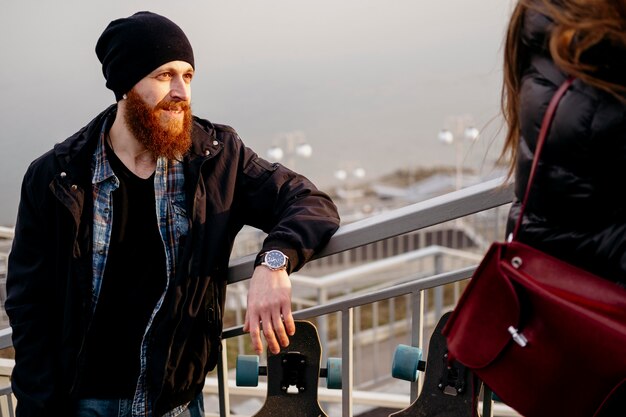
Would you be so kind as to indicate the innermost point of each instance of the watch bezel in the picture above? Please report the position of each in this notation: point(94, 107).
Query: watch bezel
point(268, 257)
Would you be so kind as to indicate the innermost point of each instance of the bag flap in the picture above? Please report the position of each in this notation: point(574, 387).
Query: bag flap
point(477, 330)
point(567, 281)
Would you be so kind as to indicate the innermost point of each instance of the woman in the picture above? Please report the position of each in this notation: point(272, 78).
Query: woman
point(576, 209)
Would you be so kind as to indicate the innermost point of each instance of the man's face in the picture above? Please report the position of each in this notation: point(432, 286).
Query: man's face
point(158, 110)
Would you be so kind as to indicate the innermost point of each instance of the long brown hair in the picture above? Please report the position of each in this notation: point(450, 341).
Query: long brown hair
point(578, 26)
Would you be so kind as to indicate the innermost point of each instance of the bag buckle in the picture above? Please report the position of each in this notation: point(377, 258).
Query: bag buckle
point(517, 336)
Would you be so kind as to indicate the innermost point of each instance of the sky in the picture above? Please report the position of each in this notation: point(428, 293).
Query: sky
point(367, 83)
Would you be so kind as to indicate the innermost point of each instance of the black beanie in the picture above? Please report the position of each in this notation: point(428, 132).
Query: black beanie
point(131, 48)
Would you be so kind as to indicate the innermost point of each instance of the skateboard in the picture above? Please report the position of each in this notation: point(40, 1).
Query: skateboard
point(448, 389)
point(292, 375)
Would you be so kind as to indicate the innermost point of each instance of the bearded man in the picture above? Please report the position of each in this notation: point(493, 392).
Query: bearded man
point(117, 275)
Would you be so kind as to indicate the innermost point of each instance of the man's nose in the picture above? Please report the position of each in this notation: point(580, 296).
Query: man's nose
point(180, 90)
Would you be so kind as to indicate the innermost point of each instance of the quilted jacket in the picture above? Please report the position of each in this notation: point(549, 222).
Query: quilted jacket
point(577, 209)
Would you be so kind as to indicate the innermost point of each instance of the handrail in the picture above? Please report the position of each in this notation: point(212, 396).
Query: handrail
point(456, 204)
point(6, 232)
point(5, 338)
point(342, 276)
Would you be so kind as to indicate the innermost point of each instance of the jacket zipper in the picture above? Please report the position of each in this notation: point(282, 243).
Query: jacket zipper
point(189, 242)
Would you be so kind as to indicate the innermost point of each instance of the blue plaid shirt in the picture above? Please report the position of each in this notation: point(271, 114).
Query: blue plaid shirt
point(173, 223)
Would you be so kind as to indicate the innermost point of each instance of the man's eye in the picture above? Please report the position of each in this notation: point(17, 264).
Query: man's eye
point(188, 77)
point(165, 76)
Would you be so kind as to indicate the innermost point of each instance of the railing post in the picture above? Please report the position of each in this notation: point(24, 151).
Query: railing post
point(322, 321)
point(241, 305)
point(376, 347)
point(487, 401)
point(438, 289)
point(222, 381)
point(417, 334)
point(347, 324)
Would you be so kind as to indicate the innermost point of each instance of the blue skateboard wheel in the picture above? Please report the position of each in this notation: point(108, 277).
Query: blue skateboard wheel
point(247, 371)
point(333, 375)
point(405, 363)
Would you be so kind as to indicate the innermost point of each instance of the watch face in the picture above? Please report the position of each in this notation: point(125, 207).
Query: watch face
point(275, 259)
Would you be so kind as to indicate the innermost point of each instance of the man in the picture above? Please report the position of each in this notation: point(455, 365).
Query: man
point(117, 274)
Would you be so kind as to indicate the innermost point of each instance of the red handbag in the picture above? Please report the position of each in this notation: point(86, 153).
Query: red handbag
point(547, 337)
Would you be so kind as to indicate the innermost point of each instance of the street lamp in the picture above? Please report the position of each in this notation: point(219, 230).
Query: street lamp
point(295, 146)
point(346, 176)
point(461, 130)
point(342, 174)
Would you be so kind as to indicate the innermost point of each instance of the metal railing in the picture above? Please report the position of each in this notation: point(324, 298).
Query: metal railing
point(6, 232)
point(400, 221)
point(441, 209)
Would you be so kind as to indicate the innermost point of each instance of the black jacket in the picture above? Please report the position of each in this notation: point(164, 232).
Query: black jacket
point(577, 209)
point(49, 275)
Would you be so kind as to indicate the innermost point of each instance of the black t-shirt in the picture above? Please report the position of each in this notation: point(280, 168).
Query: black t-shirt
point(134, 280)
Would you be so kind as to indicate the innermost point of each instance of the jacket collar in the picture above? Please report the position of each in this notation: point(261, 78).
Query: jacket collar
point(74, 153)
point(536, 31)
point(204, 140)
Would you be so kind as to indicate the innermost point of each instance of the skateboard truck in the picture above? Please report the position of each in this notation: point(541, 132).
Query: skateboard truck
point(294, 366)
point(452, 380)
point(293, 371)
point(446, 388)
point(292, 375)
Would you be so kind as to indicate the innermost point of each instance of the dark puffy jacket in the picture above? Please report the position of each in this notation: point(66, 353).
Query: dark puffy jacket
point(577, 209)
point(49, 277)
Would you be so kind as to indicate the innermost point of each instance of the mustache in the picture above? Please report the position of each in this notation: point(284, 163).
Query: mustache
point(173, 105)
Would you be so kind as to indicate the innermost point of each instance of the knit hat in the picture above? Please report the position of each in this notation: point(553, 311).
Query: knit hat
point(131, 48)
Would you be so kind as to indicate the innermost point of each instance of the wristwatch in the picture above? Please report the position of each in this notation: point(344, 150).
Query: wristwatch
point(273, 259)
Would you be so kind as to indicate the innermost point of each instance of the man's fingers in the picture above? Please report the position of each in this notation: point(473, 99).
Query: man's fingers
point(289, 323)
point(269, 296)
point(281, 334)
point(270, 336)
point(255, 337)
point(253, 326)
point(246, 323)
point(275, 331)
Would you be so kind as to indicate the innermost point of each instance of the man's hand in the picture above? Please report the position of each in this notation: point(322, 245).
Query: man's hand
point(269, 308)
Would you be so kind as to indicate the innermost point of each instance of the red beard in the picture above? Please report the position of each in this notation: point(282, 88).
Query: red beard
point(169, 138)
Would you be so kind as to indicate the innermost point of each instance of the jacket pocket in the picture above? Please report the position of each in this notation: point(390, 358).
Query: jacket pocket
point(197, 347)
point(214, 328)
point(259, 169)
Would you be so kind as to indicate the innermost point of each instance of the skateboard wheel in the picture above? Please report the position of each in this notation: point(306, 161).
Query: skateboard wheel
point(405, 363)
point(247, 371)
point(333, 373)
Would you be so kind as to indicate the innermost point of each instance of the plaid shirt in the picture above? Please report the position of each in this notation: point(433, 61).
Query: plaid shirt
point(173, 222)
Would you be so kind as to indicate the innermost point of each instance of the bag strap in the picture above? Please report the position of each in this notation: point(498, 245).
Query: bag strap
point(543, 133)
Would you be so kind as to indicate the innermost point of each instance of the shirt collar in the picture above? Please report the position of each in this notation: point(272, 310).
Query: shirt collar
point(102, 170)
